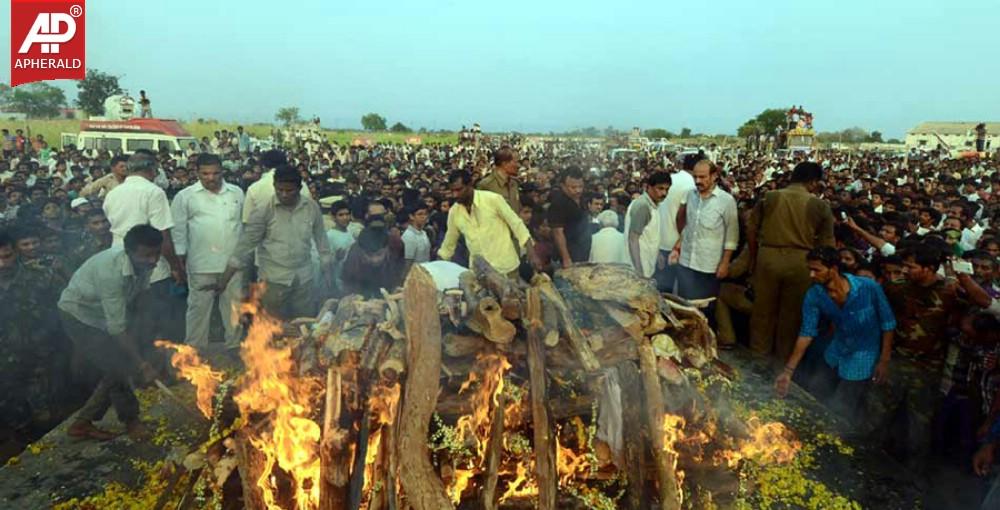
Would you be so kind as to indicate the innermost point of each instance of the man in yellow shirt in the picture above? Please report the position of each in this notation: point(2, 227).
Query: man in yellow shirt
point(488, 224)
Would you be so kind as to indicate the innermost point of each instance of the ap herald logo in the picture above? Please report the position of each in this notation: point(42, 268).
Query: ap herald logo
point(47, 40)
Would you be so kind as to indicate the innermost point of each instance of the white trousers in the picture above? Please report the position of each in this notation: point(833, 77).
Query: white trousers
point(199, 307)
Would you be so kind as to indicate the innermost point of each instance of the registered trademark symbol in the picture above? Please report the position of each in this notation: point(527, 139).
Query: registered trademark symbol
point(76, 11)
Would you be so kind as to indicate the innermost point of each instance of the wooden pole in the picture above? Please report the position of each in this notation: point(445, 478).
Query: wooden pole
point(634, 446)
point(493, 451)
point(250, 465)
point(371, 352)
point(422, 486)
point(545, 453)
point(669, 492)
point(333, 452)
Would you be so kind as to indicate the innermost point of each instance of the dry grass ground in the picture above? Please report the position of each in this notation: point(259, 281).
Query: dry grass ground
point(52, 129)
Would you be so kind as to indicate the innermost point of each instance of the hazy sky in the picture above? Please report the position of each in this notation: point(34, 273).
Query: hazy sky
point(554, 65)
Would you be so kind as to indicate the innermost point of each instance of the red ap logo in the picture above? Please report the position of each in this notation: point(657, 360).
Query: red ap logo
point(47, 40)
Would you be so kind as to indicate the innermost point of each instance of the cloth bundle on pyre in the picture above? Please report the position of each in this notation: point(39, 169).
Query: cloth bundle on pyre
point(591, 390)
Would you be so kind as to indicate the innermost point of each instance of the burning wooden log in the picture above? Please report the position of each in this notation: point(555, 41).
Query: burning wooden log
point(423, 488)
point(334, 454)
point(494, 450)
point(545, 450)
point(373, 349)
point(562, 379)
point(251, 467)
point(669, 491)
point(634, 446)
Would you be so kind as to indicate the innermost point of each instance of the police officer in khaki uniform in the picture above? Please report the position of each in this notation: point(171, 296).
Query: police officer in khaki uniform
point(503, 179)
point(783, 227)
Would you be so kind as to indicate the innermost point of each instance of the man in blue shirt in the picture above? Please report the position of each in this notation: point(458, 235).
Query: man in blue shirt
point(860, 325)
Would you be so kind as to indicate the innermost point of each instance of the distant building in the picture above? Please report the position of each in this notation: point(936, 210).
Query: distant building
point(956, 135)
point(8, 115)
point(71, 113)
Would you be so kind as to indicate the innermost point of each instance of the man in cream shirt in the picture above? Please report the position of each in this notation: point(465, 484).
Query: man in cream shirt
point(261, 192)
point(207, 228)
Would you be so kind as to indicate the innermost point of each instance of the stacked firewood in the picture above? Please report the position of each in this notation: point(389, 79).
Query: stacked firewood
point(491, 361)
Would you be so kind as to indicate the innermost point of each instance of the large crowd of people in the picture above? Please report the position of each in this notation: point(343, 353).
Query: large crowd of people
point(870, 279)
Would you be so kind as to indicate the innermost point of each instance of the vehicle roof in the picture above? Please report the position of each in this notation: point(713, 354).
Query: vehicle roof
point(166, 127)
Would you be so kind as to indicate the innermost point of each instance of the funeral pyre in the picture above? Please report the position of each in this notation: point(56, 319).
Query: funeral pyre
point(591, 390)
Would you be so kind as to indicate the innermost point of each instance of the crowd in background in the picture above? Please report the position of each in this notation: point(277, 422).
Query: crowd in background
point(870, 279)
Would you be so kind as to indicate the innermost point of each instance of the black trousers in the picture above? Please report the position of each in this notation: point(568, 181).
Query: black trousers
point(114, 388)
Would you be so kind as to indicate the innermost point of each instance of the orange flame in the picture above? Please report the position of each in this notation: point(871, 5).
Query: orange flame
point(383, 405)
point(460, 480)
point(374, 442)
point(191, 367)
point(769, 443)
point(272, 386)
point(673, 432)
point(569, 463)
point(476, 426)
point(523, 485)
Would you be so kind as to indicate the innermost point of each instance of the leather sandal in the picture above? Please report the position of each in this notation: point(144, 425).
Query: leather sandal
point(87, 430)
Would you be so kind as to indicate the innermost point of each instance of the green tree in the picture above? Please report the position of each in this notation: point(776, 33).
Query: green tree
point(94, 89)
point(894, 141)
point(686, 133)
point(657, 133)
point(38, 100)
point(766, 122)
point(875, 137)
point(6, 94)
point(373, 122)
point(751, 127)
point(399, 127)
point(288, 115)
point(854, 135)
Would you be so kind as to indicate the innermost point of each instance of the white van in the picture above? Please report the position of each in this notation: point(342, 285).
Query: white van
point(130, 135)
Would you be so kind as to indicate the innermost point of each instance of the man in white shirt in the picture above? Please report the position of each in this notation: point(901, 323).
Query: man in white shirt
point(710, 232)
point(681, 184)
point(607, 246)
point(137, 201)
point(416, 244)
point(642, 225)
point(207, 228)
point(340, 239)
point(243, 141)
